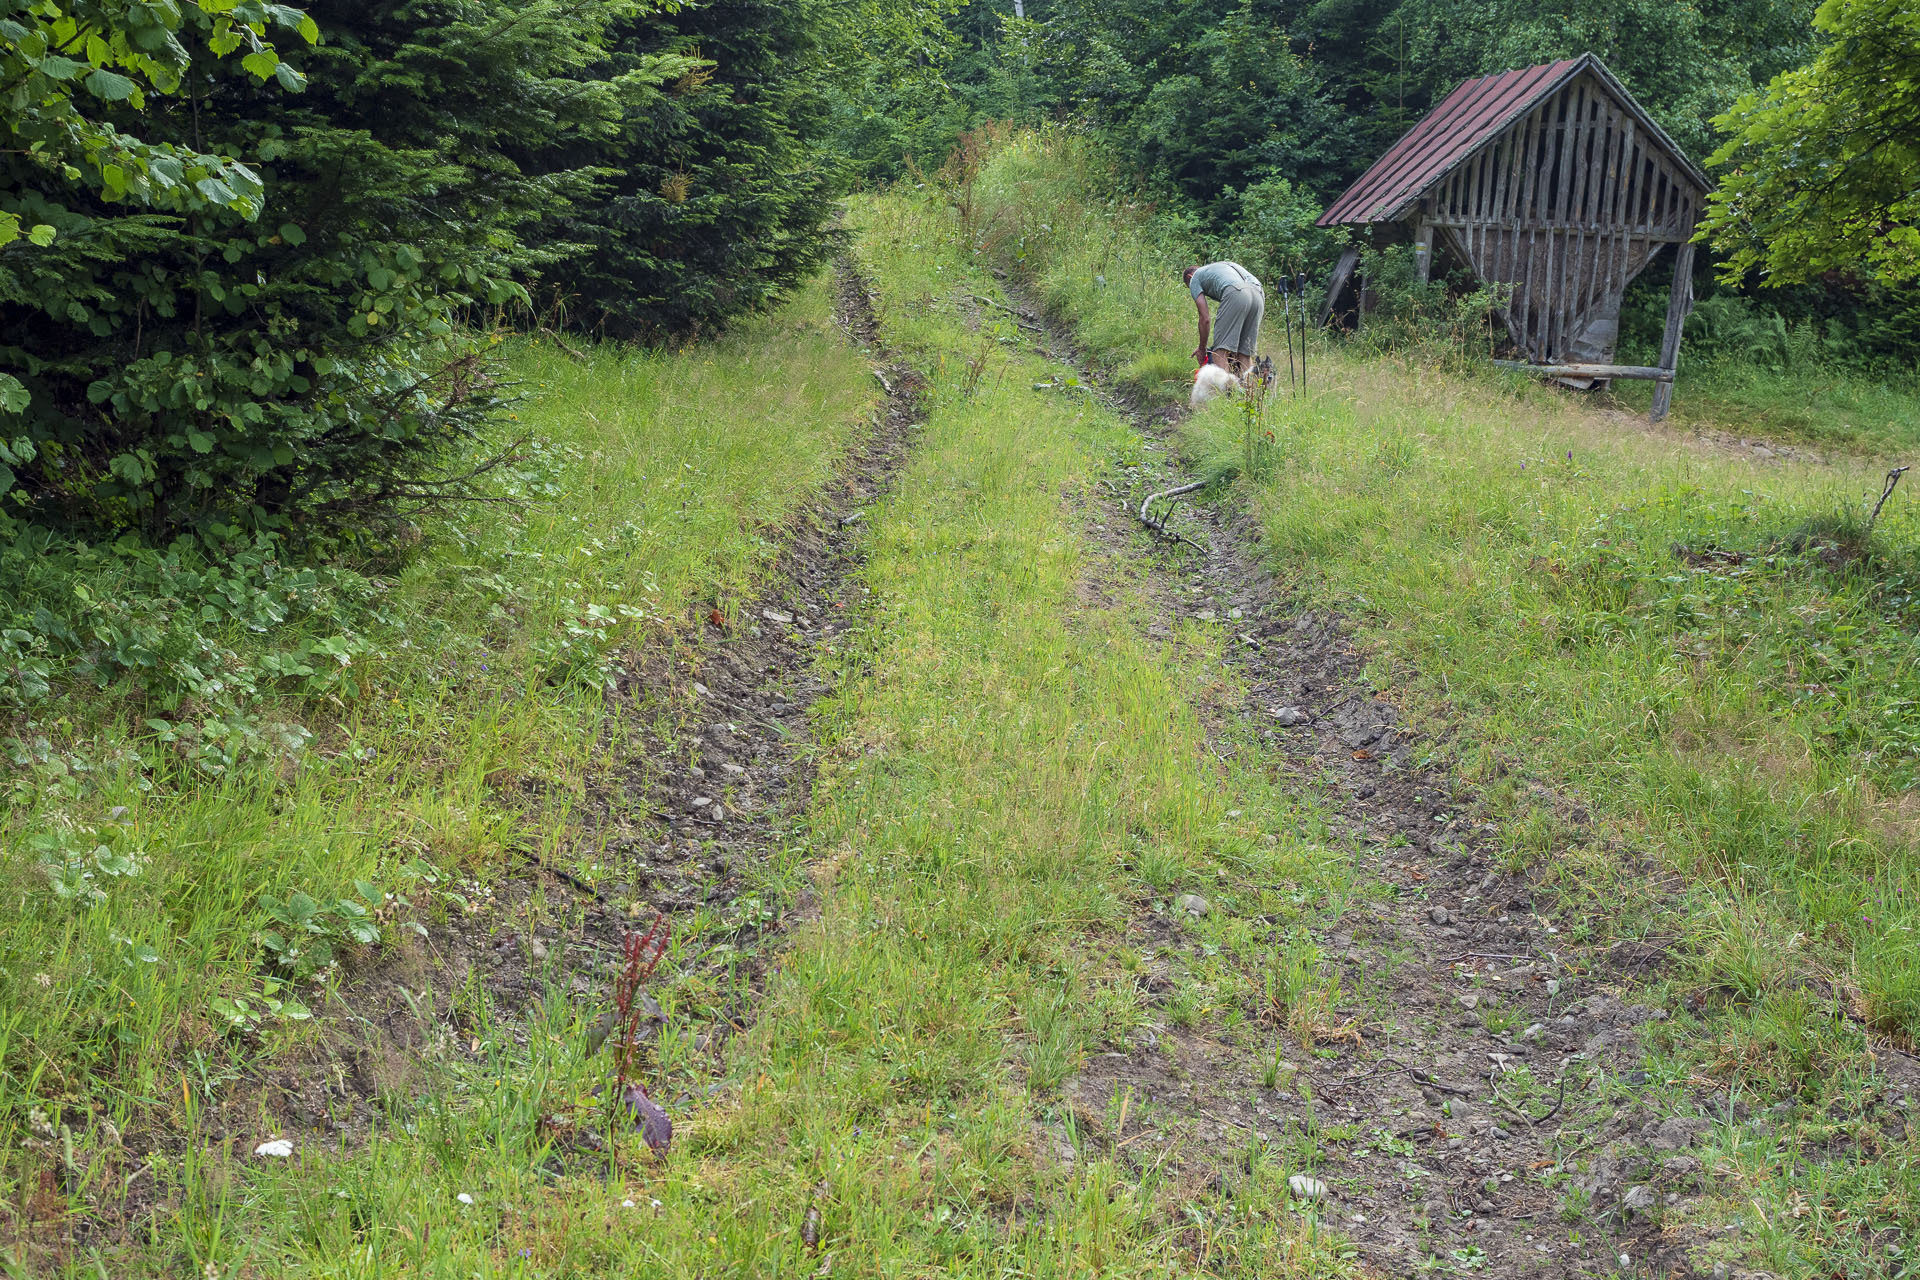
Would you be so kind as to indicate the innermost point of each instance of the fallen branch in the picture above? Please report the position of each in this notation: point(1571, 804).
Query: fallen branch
point(1552, 1110)
point(560, 342)
point(1521, 1112)
point(536, 860)
point(1419, 1075)
point(1441, 1085)
point(1893, 478)
point(1147, 520)
point(1018, 319)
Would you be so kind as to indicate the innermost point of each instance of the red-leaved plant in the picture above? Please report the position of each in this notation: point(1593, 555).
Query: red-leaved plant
point(642, 953)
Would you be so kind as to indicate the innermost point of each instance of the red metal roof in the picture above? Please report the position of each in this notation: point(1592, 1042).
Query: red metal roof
point(1466, 120)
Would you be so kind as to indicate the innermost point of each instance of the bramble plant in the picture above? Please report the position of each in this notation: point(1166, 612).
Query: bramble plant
point(307, 931)
point(80, 864)
point(251, 1012)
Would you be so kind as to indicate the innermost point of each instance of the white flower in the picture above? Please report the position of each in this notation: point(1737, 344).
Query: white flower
point(278, 1148)
point(626, 1204)
point(464, 1198)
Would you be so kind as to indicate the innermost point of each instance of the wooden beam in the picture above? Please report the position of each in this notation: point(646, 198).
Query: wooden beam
point(1554, 277)
point(1679, 303)
point(1643, 372)
point(1528, 210)
point(1336, 282)
point(1423, 249)
point(1552, 225)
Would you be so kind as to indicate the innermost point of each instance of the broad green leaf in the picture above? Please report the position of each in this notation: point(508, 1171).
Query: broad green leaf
point(110, 85)
point(215, 190)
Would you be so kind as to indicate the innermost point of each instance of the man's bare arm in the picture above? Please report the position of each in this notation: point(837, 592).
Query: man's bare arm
point(1206, 328)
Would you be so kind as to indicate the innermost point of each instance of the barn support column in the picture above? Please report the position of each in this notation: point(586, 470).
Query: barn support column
point(1423, 250)
point(1679, 303)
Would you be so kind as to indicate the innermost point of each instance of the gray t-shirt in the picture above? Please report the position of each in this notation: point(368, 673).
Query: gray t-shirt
point(1216, 278)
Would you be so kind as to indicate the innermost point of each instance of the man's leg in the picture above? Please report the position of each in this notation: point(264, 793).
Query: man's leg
point(1249, 341)
point(1235, 326)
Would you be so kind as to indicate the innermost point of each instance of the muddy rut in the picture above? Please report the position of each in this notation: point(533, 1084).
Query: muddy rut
point(1488, 1092)
point(695, 795)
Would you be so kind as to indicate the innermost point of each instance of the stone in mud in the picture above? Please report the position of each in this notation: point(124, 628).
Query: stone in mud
point(778, 616)
point(1305, 1188)
point(1438, 914)
point(1290, 717)
point(1469, 1000)
point(1193, 904)
point(1680, 1166)
point(1675, 1133)
point(1640, 1199)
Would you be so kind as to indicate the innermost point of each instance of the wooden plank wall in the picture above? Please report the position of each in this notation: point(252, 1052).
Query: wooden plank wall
point(1565, 207)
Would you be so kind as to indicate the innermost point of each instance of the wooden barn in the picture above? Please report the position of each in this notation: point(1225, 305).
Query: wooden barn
point(1552, 181)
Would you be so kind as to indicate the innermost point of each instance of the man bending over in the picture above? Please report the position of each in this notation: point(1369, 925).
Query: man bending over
point(1236, 330)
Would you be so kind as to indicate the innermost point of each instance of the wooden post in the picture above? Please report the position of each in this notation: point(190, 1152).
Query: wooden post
point(1679, 302)
point(1423, 249)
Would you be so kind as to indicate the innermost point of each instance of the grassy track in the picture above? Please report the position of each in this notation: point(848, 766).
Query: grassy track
point(1001, 762)
point(1009, 772)
point(1709, 653)
point(652, 484)
point(1013, 785)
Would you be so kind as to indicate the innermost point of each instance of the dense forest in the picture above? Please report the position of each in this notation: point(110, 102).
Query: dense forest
point(253, 253)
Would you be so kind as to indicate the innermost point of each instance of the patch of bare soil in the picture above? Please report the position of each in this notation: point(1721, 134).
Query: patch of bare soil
point(1487, 1097)
point(705, 774)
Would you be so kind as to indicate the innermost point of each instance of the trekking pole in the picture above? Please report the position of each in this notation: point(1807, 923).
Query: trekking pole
point(1301, 279)
point(1286, 319)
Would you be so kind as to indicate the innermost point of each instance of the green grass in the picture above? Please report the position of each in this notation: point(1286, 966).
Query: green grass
point(1005, 775)
point(654, 485)
point(1708, 653)
point(1830, 408)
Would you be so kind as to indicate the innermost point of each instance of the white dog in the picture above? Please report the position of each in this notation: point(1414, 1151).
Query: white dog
point(1210, 381)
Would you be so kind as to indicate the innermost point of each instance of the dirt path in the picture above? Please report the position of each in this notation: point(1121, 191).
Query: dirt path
point(1477, 1105)
point(692, 810)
